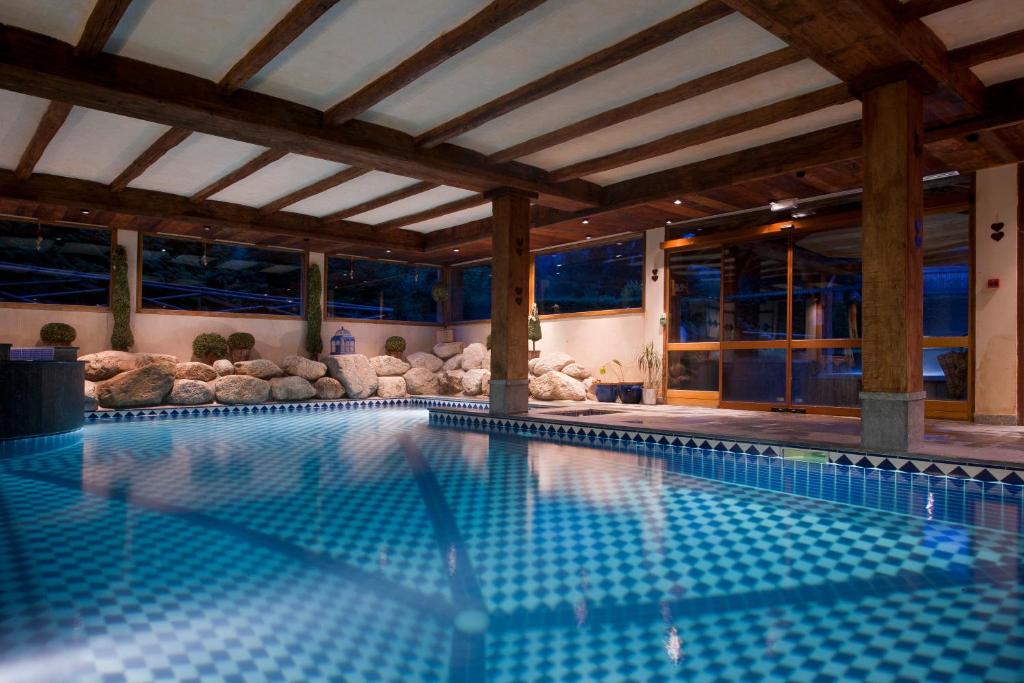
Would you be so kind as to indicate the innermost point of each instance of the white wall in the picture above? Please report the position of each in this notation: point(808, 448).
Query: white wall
point(996, 325)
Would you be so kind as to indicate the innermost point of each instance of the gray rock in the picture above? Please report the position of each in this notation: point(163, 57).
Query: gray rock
point(450, 382)
point(531, 364)
point(105, 364)
point(453, 363)
point(553, 363)
point(557, 386)
point(146, 386)
point(355, 374)
point(309, 370)
point(576, 371)
point(261, 368)
point(425, 360)
point(242, 389)
point(446, 350)
point(473, 381)
point(476, 356)
point(420, 381)
point(389, 366)
point(391, 387)
point(194, 370)
point(328, 388)
point(90, 396)
point(223, 367)
point(144, 359)
point(291, 388)
point(190, 392)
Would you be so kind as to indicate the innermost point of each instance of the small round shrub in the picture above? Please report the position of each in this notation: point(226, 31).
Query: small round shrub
point(210, 343)
point(60, 334)
point(394, 344)
point(241, 340)
point(439, 292)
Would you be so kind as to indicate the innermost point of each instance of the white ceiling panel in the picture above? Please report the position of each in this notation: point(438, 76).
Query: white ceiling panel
point(723, 43)
point(421, 202)
point(799, 125)
point(457, 218)
point(780, 84)
point(1001, 70)
point(95, 145)
point(976, 21)
point(19, 118)
point(545, 39)
point(62, 19)
point(196, 163)
point(361, 189)
point(287, 174)
point(200, 37)
point(354, 43)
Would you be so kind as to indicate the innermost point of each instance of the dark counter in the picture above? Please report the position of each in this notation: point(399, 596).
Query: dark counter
point(40, 397)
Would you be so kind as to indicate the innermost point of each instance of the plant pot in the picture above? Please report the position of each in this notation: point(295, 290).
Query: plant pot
point(238, 355)
point(631, 393)
point(444, 335)
point(606, 393)
point(211, 358)
point(532, 354)
point(650, 397)
point(395, 354)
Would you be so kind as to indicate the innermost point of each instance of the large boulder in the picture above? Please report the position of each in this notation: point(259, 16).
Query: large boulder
point(476, 356)
point(194, 370)
point(261, 368)
point(223, 367)
point(291, 388)
point(420, 381)
point(391, 387)
point(191, 392)
point(450, 382)
point(389, 366)
point(89, 397)
point(309, 370)
point(453, 363)
point(328, 388)
point(576, 371)
point(105, 364)
point(446, 350)
point(473, 381)
point(553, 363)
point(242, 389)
point(557, 386)
point(355, 374)
point(589, 383)
point(425, 360)
point(146, 386)
point(531, 364)
point(144, 359)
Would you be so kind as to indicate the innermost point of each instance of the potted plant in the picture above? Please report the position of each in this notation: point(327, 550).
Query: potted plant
point(649, 362)
point(121, 337)
point(57, 334)
point(240, 344)
point(395, 346)
point(608, 392)
point(440, 294)
point(314, 314)
point(533, 332)
point(209, 347)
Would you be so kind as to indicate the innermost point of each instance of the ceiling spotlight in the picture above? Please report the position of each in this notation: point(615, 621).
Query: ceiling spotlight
point(456, 250)
point(387, 251)
point(785, 204)
point(678, 202)
point(586, 222)
point(803, 213)
point(668, 222)
point(85, 212)
point(590, 237)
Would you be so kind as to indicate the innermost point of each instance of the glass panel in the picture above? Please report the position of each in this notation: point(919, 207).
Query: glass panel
point(191, 275)
point(694, 292)
point(380, 290)
point(826, 377)
point(693, 370)
point(754, 375)
point(471, 293)
point(945, 374)
point(827, 285)
point(46, 264)
point(597, 278)
point(946, 275)
point(754, 288)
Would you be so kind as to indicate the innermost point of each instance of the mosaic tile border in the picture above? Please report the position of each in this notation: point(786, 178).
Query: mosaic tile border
point(582, 433)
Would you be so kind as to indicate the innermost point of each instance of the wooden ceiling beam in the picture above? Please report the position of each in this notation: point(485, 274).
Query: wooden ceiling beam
point(633, 46)
point(284, 33)
point(165, 143)
point(645, 105)
point(242, 172)
point(383, 200)
point(100, 25)
point(470, 202)
point(313, 189)
point(41, 66)
point(915, 9)
point(1006, 45)
point(479, 26)
point(715, 130)
point(53, 118)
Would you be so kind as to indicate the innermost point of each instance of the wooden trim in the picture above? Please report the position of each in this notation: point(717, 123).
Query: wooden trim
point(339, 178)
point(242, 172)
point(53, 118)
point(164, 144)
point(470, 202)
point(379, 321)
point(749, 405)
point(947, 410)
point(383, 200)
point(1006, 45)
point(826, 343)
point(103, 19)
point(219, 314)
point(1020, 294)
point(915, 9)
point(972, 265)
point(789, 320)
point(56, 307)
point(693, 346)
point(695, 402)
point(945, 342)
point(751, 345)
point(592, 314)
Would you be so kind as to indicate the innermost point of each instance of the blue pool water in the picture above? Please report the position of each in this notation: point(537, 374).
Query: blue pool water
point(372, 546)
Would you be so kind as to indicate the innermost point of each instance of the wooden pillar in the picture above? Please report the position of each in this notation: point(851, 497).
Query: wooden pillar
point(892, 401)
point(510, 301)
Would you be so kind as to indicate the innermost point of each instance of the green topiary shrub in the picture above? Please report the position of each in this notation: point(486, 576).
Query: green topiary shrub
point(57, 334)
point(533, 332)
point(394, 344)
point(210, 345)
point(241, 340)
point(121, 338)
point(314, 316)
point(439, 292)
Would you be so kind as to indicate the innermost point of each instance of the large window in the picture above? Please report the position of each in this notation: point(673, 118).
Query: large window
point(599, 278)
point(827, 285)
point(471, 293)
point(754, 291)
point(52, 264)
point(196, 275)
point(381, 290)
point(695, 286)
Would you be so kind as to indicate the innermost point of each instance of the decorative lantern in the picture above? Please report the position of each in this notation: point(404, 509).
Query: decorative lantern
point(343, 343)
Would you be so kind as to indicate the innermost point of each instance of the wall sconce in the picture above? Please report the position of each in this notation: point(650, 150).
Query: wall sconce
point(654, 274)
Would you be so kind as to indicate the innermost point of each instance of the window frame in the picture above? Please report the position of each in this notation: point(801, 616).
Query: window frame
point(473, 264)
point(377, 321)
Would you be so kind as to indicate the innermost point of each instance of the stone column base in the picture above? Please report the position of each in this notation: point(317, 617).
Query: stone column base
point(509, 396)
point(891, 421)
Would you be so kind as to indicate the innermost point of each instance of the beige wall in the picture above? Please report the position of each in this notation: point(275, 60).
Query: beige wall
point(996, 327)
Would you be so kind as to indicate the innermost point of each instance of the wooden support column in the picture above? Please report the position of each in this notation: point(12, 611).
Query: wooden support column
point(510, 301)
point(892, 401)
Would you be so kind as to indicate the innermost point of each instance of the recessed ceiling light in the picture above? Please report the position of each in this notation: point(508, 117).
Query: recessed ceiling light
point(785, 204)
point(678, 202)
point(85, 212)
point(586, 222)
point(455, 250)
point(589, 237)
point(668, 222)
point(387, 251)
